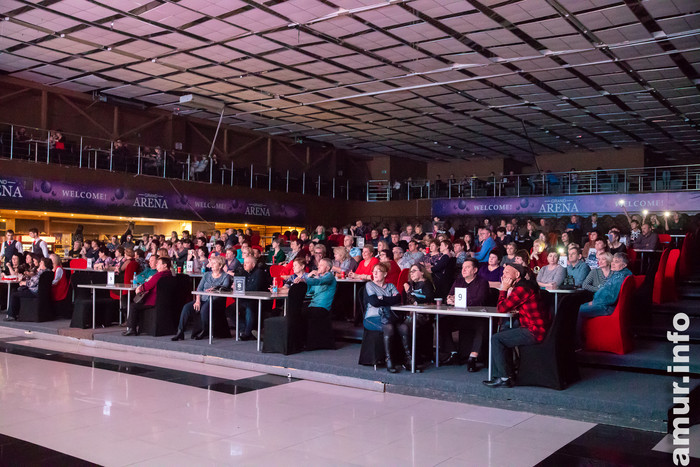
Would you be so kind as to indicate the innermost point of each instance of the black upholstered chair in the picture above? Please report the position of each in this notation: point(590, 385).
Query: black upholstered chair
point(106, 309)
point(39, 308)
point(552, 363)
point(285, 334)
point(171, 295)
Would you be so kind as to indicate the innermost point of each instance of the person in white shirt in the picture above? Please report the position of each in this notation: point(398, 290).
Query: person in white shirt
point(10, 246)
point(39, 246)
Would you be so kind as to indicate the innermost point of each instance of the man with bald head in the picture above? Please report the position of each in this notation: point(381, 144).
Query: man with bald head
point(255, 281)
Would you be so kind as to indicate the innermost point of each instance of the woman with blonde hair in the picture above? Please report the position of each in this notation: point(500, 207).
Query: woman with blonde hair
point(211, 280)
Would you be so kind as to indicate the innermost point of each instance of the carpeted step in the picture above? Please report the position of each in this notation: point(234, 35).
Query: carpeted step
point(690, 307)
point(647, 355)
point(659, 324)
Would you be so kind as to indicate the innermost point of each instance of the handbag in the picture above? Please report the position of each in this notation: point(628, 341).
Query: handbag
point(138, 298)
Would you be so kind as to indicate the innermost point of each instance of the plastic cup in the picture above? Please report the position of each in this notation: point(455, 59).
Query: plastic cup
point(438, 302)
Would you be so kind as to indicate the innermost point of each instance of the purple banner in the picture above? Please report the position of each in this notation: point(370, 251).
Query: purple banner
point(688, 201)
point(59, 196)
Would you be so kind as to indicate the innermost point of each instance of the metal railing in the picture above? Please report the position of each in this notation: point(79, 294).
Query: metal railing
point(41, 146)
point(632, 180)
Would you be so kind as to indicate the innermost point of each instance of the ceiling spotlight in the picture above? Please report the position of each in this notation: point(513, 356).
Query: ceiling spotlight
point(153, 60)
point(63, 35)
point(108, 49)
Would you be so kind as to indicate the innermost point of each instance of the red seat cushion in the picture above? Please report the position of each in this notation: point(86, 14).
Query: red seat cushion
point(611, 333)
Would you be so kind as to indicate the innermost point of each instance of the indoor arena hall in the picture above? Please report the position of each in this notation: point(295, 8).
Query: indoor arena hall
point(350, 232)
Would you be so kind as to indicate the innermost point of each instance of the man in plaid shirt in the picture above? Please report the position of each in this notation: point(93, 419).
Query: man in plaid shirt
point(517, 294)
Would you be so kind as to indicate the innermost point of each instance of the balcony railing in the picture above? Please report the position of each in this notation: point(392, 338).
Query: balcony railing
point(633, 180)
point(42, 147)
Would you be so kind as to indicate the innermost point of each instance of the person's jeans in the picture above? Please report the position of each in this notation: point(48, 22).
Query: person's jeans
point(197, 324)
point(502, 349)
point(587, 311)
point(251, 315)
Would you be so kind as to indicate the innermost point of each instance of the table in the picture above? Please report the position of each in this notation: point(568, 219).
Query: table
point(354, 283)
point(9, 283)
point(556, 292)
point(259, 296)
point(127, 287)
point(676, 237)
point(476, 312)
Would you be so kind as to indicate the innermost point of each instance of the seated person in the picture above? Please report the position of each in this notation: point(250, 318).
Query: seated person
point(460, 252)
point(590, 245)
point(163, 266)
point(414, 253)
point(379, 296)
point(28, 288)
point(394, 271)
point(521, 295)
point(148, 272)
point(321, 287)
point(616, 246)
point(276, 255)
point(477, 293)
point(299, 268)
point(354, 252)
point(487, 244)
point(576, 269)
point(509, 257)
point(12, 268)
point(200, 305)
point(365, 267)
point(418, 290)
point(319, 252)
point(255, 281)
point(200, 261)
point(76, 251)
point(343, 264)
point(492, 270)
point(605, 298)
point(103, 261)
point(551, 276)
point(600, 275)
point(647, 239)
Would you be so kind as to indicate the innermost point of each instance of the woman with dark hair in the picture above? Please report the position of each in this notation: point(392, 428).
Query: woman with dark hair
point(103, 261)
point(28, 287)
point(438, 263)
point(379, 296)
point(419, 290)
point(12, 267)
point(492, 270)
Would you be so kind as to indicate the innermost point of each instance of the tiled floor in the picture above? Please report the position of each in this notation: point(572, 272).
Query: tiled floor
point(89, 404)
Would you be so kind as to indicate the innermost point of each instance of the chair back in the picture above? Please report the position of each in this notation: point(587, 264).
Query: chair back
point(295, 300)
point(44, 292)
point(657, 297)
point(684, 261)
point(669, 293)
point(664, 239)
point(403, 278)
point(78, 263)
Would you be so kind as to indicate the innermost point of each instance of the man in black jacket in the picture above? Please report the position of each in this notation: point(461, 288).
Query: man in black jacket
point(255, 281)
point(477, 294)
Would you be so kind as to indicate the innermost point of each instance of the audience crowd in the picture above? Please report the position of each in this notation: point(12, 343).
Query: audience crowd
point(506, 264)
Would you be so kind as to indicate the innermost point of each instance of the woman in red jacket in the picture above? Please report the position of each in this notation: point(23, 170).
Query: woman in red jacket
point(163, 267)
point(364, 269)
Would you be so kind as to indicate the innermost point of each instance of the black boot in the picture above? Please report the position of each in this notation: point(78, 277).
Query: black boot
point(407, 352)
point(179, 336)
point(387, 348)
